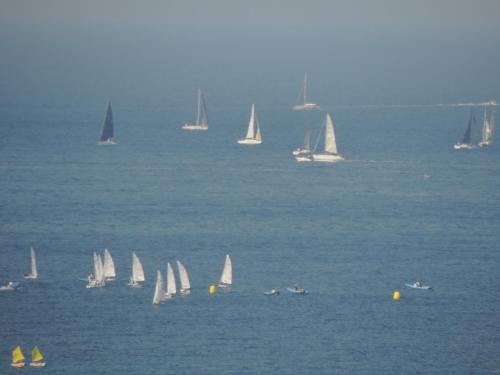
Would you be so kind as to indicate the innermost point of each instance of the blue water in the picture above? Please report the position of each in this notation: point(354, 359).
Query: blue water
point(351, 233)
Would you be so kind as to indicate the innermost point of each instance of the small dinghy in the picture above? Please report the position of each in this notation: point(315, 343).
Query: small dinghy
point(17, 358)
point(272, 292)
point(418, 285)
point(11, 285)
point(37, 358)
point(297, 290)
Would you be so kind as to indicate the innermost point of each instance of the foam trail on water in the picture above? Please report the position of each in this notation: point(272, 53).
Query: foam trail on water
point(491, 103)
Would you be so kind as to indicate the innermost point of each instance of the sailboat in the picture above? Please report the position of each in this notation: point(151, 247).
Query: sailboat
point(17, 358)
point(330, 153)
point(253, 136)
point(137, 272)
point(226, 279)
point(302, 103)
point(97, 281)
point(171, 285)
point(34, 271)
point(201, 118)
point(466, 141)
point(304, 153)
point(107, 132)
point(37, 358)
point(159, 293)
point(109, 266)
point(184, 277)
point(488, 129)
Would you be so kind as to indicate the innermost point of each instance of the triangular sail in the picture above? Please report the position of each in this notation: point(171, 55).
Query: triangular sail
point(34, 271)
point(488, 126)
point(171, 285)
point(183, 276)
point(330, 143)
point(17, 355)
point(98, 269)
point(137, 269)
point(202, 118)
point(36, 355)
point(258, 136)
point(158, 296)
point(107, 127)
point(467, 135)
point(109, 265)
point(251, 124)
point(227, 274)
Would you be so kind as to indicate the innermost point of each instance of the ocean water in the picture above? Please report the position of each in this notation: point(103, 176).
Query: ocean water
point(351, 233)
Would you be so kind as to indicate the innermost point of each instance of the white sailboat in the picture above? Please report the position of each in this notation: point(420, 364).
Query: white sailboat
point(330, 153)
point(488, 129)
point(304, 153)
point(184, 277)
point(34, 271)
point(159, 293)
point(171, 284)
point(97, 279)
point(466, 143)
point(254, 136)
point(226, 279)
point(109, 266)
point(107, 132)
point(201, 118)
point(302, 103)
point(137, 272)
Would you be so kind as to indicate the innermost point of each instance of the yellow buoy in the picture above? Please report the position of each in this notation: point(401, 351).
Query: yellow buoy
point(212, 289)
point(396, 295)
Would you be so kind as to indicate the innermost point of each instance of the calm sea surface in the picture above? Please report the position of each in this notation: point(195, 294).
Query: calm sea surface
point(351, 233)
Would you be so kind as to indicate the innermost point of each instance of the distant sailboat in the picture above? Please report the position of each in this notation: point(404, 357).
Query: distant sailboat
point(171, 285)
point(97, 281)
point(253, 136)
point(330, 153)
point(184, 277)
point(488, 129)
point(226, 279)
point(36, 358)
point(137, 272)
point(107, 132)
point(302, 103)
point(17, 358)
point(109, 266)
point(34, 271)
point(201, 118)
point(466, 141)
point(304, 153)
point(159, 293)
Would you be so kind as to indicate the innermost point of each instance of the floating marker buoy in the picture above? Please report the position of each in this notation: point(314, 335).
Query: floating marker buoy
point(211, 289)
point(396, 295)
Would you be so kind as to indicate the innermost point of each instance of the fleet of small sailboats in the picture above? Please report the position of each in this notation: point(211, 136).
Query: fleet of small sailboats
point(302, 103)
point(34, 272)
point(201, 117)
point(137, 272)
point(254, 136)
point(107, 132)
point(226, 279)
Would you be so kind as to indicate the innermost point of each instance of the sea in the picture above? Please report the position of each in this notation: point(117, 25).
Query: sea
point(402, 206)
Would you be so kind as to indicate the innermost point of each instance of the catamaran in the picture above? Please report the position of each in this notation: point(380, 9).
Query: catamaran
point(226, 279)
point(488, 129)
point(304, 153)
point(17, 358)
point(330, 153)
point(109, 266)
point(34, 271)
point(302, 103)
point(171, 285)
point(184, 277)
point(466, 141)
point(253, 136)
point(36, 358)
point(107, 129)
point(201, 118)
point(159, 293)
point(137, 272)
point(97, 280)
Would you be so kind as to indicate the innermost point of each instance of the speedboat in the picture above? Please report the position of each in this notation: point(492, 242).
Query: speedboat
point(418, 285)
point(272, 292)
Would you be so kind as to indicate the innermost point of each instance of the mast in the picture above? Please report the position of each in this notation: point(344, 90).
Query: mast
point(199, 108)
point(467, 135)
point(305, 88)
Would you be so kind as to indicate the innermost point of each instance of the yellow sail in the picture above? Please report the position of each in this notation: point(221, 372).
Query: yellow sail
point(36, 355)
point(17, 355)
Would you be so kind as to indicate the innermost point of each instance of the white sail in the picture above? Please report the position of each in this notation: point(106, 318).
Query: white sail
point(330, 144)
point(254, 136)
point(488, 128)
point(109, 265)
point(137, 270)
point(227, 274)
point(251, 124)
point(158, 296)
point(183, 275)
point(171, 285)
point(34, 271)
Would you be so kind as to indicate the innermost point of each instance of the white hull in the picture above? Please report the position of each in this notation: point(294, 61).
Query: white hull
point(304, 158)
point(463, 146)
point(37, 364)
point(185, 292)
point(306, 107)
point(227, 286)
point(249, 142)
point(484, 143)
point(30, 277)
point(109, 142)
point(329, 158)
point(134, 285)
point(194, 127)
point(94, 284)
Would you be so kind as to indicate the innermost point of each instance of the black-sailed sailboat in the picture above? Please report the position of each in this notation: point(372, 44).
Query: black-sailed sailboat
point(107, 132)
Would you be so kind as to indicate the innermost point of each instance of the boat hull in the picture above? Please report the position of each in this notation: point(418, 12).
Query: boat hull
point(304, 158)
point(463, 146)
point(484, 143)
point(37, 364)
point(327, 158)
point(306, 107)
point(249, 142)
point(18, 364)
point(422, 287)
point(30, 277)
point(297, 291)
point(108, 142)
point(194, 127)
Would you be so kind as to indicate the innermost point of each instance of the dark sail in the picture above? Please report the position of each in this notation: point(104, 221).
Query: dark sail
point(107, 127)
point(467, 135)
